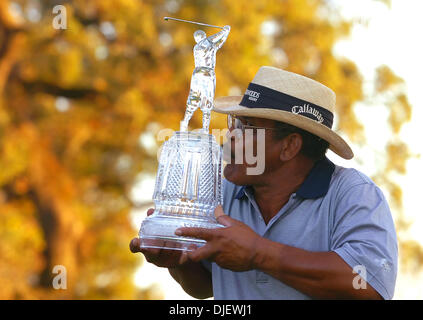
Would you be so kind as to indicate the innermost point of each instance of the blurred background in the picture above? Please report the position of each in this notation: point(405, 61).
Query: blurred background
point(85, 89)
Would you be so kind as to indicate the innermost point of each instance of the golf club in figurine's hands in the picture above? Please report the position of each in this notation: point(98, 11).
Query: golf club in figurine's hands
point(188, 182)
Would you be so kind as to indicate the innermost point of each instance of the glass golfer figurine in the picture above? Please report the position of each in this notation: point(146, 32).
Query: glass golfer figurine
point(203, 80)
point(188, 181)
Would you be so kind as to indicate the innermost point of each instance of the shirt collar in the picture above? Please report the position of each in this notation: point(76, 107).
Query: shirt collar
point(241, 193)
point(315, 185)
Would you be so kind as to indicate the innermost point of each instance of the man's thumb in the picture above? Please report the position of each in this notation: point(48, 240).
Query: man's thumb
point(222, 218)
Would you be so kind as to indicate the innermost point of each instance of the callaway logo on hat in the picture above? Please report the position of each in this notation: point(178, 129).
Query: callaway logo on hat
point(290, 98)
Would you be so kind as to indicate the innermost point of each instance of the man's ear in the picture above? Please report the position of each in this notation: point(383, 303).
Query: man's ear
point(291, 146)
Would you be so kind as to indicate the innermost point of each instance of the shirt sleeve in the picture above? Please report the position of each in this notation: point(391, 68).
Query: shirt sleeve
point(364, 236)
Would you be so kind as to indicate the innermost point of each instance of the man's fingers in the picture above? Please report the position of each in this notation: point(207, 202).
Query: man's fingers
point(218, 212)
point(224, 219)
point(134, 246)
point(221, 217)
point(200, 233)
point(184, 256)
point(227, 221)
point(158, 256)
point(202, 253)
point(149, 252)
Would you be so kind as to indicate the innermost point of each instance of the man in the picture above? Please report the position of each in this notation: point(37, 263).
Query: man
point(304, 228)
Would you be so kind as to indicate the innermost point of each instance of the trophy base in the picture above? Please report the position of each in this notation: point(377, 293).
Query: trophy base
point(158, 232)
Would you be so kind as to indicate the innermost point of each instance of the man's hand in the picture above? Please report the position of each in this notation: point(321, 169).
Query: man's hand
point(159, 257)
point(192, 276)
point(232, 247)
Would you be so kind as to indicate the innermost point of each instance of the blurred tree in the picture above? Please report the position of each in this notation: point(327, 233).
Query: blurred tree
point(77, 105)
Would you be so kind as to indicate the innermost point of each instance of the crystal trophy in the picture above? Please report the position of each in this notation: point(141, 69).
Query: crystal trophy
point(188, 182)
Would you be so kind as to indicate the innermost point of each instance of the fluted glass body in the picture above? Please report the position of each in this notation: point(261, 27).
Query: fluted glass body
point(187, 190)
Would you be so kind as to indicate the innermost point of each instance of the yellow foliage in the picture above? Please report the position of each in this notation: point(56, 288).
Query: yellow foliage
point(400, 112)
point(74, 102)
point(397, 152)
point(386, 79)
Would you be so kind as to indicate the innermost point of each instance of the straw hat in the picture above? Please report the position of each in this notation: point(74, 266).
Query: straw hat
point(291, 98)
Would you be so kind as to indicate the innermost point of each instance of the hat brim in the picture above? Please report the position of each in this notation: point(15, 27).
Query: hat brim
point(230, 105)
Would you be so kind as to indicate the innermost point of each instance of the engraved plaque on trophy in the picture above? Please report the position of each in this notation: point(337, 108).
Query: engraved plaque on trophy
point(188, 181)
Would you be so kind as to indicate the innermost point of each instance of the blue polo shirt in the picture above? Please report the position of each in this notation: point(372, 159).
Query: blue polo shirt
point(335, 209)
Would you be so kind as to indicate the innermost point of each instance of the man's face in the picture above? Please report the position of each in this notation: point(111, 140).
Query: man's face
point(263, 146)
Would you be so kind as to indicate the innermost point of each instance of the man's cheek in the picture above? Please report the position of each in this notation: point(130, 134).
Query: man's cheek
point(255, 152)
